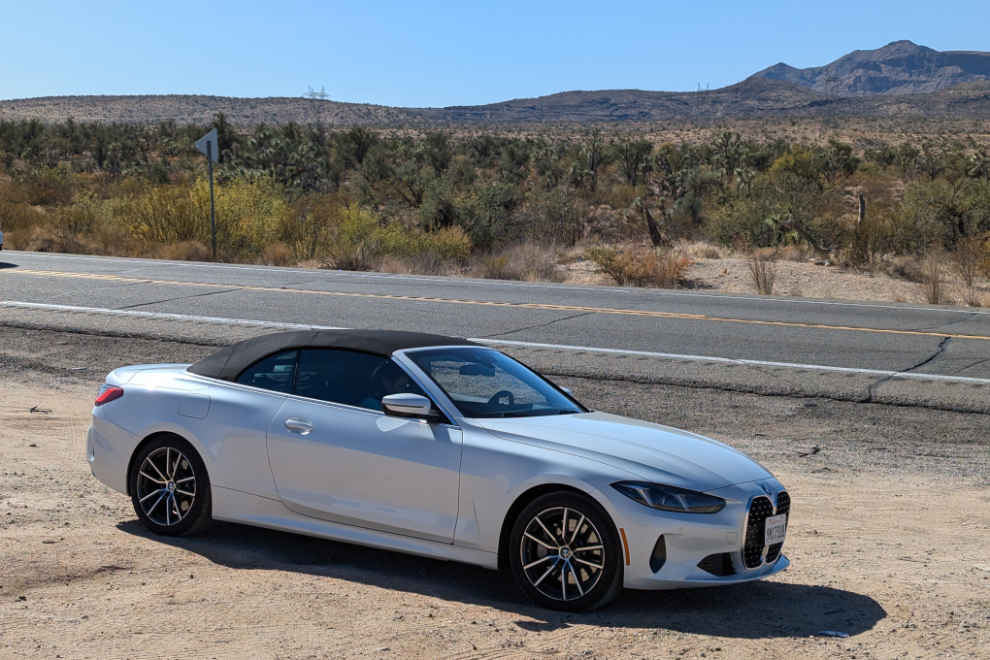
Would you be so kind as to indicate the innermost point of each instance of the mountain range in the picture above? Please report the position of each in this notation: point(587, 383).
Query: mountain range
point(901, 67)
point(901, 79)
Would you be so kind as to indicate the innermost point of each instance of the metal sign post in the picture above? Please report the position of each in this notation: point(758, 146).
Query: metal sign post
point(208, 145)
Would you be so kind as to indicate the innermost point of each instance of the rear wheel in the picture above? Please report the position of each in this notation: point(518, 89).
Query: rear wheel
point(565, 552)
point(170, 488)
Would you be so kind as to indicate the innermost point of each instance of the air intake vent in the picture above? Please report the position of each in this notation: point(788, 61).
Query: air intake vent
point(659, 556)
point(720, 564)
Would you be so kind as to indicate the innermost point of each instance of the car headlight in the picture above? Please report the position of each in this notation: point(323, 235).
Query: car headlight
point(669, 498)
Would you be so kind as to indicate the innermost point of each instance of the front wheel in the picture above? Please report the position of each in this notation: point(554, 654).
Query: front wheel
point(565, 553)
point(170, 488)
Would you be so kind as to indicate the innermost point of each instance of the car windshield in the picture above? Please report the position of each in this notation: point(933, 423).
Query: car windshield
point(485, 383)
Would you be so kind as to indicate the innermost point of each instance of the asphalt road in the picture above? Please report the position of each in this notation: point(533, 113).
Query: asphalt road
point(887, 337)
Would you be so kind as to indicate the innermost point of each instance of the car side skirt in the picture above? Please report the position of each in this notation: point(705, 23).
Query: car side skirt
point(235, 506)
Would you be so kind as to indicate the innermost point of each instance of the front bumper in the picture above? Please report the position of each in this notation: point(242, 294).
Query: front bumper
point(715, 541)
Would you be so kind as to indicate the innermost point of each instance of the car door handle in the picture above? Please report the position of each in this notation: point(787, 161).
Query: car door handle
point(299, 425)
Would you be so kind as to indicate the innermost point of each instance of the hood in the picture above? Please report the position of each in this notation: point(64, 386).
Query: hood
point(655, 453)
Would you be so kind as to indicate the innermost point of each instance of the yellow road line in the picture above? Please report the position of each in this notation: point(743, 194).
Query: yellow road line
point(488, 303)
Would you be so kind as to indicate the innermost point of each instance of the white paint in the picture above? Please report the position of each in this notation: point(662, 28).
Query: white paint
point(500, 342)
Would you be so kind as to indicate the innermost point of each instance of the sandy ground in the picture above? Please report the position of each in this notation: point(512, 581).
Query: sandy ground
point(802, 279)
point(890, 543)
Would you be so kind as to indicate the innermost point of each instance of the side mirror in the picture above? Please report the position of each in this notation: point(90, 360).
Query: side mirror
point(410, 406)
point(568, 390)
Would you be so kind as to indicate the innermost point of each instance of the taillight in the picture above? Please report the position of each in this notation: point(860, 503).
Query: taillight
point(108, 393)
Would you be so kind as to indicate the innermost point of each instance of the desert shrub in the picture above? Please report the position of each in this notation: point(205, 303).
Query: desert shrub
point(427, 263)
point(358, 241)
point(164, 215)
point(522, 261)
point(249, 215)
point(639, 266)
point(496, 267)
point(763, 272)
point(797, 253)
point(277, 254)
point(969, 259)
point(907, 268)
point(932, 285)
point(184, 251)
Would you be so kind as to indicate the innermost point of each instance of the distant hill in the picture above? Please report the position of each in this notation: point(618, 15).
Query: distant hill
point(898, 80)
point(901, 67)
point(188, 108)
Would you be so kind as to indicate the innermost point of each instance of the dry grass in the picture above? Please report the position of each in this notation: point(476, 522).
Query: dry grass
point(763, 272)
point(428, 263)
point(278, 254)
point(932, 283)
point(528, 262)
point(639, 266)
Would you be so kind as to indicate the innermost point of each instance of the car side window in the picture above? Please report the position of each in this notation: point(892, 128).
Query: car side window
point(351, 378)
point(275, 373)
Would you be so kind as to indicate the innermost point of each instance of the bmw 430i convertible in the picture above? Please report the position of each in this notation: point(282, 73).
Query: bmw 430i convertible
point(438, 447)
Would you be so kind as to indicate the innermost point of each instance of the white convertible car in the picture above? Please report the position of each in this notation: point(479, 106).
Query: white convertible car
point(438, 447)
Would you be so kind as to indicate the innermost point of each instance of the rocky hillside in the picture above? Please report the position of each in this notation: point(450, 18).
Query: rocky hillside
point(188, 108)
point(898, 68)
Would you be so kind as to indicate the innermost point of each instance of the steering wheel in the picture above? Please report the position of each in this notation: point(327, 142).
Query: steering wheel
point(502, 393)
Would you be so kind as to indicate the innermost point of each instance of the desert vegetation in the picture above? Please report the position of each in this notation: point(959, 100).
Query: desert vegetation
point(504, 205)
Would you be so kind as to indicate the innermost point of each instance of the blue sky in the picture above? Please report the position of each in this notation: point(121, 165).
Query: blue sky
point(437, 53)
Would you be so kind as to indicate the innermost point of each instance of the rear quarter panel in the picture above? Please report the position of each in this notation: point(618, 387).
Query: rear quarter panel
point(231, 438)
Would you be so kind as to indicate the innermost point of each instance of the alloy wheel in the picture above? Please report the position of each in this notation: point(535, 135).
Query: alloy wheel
point(562, 553)
point(166, 486)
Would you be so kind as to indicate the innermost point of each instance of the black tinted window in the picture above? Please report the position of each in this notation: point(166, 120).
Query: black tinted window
point(274, 373)
point(351, 378)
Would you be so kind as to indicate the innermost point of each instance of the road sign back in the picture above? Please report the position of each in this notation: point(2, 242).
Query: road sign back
point(212, 151)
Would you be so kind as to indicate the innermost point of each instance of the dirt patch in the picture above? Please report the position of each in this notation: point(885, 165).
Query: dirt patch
point(800, 279)
point(887, 546)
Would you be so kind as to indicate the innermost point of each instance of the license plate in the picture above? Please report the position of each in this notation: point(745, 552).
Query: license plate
point(776, 529)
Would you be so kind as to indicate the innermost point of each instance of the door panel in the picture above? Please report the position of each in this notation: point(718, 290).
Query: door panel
point(363, 468)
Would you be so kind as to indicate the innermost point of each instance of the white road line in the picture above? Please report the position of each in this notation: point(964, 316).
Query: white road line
point(153, 263)
point(500, 342)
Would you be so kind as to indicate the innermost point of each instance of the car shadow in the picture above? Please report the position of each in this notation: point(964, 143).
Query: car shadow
point(748, 611)
point(4, 264)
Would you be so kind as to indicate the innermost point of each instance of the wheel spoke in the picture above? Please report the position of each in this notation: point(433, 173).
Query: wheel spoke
point(152, 463)
point(551, 536)
point(576, 530)
point(151, 478)
point(588, 547)
point(563, 528)
point(152, 494)
point(563, 580)
point(577, 579)
point(588, 563)
point(549, 570)
point(540, 561)
point(182, 481)
point(182, 492)
point(155, 505)
point(533, 538)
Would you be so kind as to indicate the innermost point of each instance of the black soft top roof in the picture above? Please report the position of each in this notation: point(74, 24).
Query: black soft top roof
point(228, 363)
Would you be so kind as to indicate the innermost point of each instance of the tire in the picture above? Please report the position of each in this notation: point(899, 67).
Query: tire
point(170, 488)
point(580, 572)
